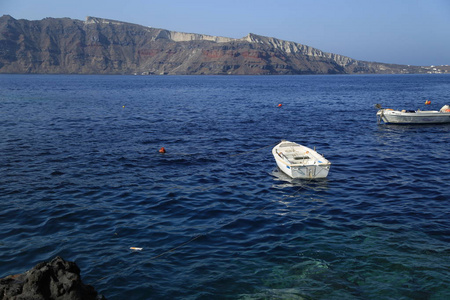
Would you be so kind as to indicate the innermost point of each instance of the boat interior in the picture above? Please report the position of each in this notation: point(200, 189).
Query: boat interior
point(296, 156)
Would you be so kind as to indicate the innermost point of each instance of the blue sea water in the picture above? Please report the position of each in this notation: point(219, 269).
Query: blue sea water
point(81, 177)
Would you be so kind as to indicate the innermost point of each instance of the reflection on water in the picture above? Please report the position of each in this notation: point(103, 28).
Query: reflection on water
point(285, 181)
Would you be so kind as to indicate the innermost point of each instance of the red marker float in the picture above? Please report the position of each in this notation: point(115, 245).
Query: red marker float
point(162, 150)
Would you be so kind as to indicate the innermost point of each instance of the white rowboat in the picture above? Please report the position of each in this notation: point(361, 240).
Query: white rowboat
point(390, 116)
point(298, 161)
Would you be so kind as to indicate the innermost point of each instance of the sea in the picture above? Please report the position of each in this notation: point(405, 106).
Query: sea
point(81, 177)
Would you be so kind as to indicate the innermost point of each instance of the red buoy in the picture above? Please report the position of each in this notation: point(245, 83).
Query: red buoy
point(427, 102)
point(162, 150)
point(280, 105)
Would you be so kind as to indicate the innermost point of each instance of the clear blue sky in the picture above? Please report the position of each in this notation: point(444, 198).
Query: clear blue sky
point(415, 32)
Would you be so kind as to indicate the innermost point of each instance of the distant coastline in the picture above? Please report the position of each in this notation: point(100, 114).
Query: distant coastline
point(103, 46)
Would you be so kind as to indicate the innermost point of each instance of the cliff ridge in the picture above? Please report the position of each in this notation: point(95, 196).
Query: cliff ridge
point(104, 46)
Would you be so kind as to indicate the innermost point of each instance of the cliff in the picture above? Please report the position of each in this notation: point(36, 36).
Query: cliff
point(102, 46)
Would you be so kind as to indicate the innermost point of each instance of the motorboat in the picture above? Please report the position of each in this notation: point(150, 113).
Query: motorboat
point(298, 161)
point(391, 116)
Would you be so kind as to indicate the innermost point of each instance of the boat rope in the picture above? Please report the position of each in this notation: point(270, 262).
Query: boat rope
point(381, 109)
point(229, 155)
point(219, 226)
point(242, 153)
point(380, 118)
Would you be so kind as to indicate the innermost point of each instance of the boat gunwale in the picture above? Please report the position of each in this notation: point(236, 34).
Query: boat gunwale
point(416, 113)
point(301, 165)
point(313, 153)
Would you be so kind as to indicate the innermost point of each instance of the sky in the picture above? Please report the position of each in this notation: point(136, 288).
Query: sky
point(409, 32)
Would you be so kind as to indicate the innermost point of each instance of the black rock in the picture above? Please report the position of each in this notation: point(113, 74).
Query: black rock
point(57, 279)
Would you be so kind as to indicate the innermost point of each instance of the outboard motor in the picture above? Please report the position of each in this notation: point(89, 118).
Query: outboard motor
point(445, 108)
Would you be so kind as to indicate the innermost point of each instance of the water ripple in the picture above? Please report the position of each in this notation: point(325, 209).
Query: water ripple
point(81, 177)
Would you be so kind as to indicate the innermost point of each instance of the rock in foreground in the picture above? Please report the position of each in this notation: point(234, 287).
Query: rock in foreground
point(57, 279)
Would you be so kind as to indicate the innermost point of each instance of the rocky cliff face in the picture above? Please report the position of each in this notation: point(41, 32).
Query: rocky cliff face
point(101, 46)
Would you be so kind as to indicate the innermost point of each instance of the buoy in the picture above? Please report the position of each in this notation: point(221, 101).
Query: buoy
point(427, 102)
point(123, 106)
point(280, 105)
point(162, 150)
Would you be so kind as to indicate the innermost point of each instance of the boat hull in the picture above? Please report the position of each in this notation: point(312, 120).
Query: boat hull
point(310, 165)
point(399, 117)
point(305, 172)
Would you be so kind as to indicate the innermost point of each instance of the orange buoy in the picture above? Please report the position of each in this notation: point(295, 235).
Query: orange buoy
point(427, 102)
point(280, 105)
point(162, 150)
